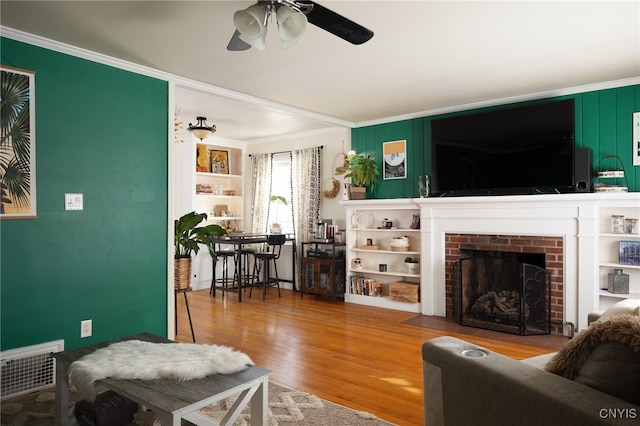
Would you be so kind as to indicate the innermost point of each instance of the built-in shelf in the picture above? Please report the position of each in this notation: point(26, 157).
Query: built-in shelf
point(366, 220)
point(390, 272)
point(605, 293)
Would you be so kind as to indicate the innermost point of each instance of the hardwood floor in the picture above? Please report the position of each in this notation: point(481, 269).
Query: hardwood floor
point(361, 357)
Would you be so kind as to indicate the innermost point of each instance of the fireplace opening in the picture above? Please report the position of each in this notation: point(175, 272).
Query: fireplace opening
point(503, 291)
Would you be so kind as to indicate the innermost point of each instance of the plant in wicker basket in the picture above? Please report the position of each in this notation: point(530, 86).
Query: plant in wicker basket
point(187, 239)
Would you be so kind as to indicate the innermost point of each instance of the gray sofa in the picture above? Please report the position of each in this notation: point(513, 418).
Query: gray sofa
point(465, 384)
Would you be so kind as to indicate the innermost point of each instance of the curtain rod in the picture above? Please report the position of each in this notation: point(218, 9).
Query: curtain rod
point(284, 152)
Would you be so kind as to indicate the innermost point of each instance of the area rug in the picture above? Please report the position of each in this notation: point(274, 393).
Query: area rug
point(287, 407)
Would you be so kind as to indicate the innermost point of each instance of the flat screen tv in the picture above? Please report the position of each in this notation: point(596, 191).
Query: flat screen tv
point(519, 150)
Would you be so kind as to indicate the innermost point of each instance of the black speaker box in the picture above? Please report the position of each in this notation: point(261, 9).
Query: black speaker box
point(583, 170)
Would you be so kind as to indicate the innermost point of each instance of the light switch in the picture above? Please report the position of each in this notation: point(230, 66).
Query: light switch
point(73, 202)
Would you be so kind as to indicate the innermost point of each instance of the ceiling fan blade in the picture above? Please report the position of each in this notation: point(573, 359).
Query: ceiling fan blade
point(237, 45)
point(337, 24)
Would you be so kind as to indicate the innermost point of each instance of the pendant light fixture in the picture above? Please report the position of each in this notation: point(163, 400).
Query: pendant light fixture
point(201, 130)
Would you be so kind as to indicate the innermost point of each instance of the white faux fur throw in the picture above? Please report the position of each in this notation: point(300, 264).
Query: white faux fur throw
point(135, 359)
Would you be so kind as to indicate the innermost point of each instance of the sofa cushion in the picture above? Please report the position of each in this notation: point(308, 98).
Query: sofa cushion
point(627, 306)
point(604, 356)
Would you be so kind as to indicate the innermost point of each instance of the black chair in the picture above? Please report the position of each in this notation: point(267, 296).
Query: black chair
point(245, 276)
point(263, 261)
point(222, 255)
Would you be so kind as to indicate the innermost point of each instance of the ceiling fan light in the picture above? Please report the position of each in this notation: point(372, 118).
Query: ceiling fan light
point(291, 26)
point(201, 130)
point(250, 22)
point(259, 43)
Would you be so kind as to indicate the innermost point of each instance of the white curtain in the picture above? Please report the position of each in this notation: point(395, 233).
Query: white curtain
point(306, 191)
point(260, 190)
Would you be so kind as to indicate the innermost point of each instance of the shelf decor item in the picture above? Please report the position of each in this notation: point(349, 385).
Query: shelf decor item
point(615, 173)
point(201, 158)
point(219, 161)
point(412, 265)
point(617, 224)
point(400, 243)
point(356, 263)
point(629, 253)
point(401, 291)
point(618, 282)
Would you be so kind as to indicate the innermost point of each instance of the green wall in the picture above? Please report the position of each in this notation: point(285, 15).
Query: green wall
point(603, 123)
point(102, 132)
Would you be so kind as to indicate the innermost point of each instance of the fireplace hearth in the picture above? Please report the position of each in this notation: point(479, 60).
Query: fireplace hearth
point(504, 293)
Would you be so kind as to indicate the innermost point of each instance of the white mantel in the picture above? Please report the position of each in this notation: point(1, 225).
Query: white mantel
point(577, 218)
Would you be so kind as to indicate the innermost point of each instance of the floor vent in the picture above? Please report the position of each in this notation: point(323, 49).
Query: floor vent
point(28, 369)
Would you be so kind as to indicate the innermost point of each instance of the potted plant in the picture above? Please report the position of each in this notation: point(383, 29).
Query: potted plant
point(277, 200)
point(187, 239)
point(363, 172)
point(412, 264)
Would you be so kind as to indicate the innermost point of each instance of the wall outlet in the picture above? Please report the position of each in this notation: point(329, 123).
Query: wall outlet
point(85, 328)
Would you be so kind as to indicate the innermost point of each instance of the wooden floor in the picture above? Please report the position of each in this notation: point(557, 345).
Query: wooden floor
point(361, 357)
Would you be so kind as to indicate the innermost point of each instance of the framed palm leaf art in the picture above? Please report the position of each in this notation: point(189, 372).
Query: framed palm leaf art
point(17, 144)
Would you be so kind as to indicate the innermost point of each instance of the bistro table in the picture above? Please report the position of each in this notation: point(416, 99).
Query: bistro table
point(172, 400)
point(240, 239)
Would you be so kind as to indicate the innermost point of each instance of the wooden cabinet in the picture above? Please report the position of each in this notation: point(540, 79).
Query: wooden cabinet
point(375, 262)
point(218, 185)
point(323, 269)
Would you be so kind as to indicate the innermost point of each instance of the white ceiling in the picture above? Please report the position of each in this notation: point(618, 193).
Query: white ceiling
point(425, 56)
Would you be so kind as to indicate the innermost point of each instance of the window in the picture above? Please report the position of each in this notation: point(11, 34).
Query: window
point(281, 186)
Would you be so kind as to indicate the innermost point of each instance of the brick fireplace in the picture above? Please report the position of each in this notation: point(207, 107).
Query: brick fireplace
point(549, 246)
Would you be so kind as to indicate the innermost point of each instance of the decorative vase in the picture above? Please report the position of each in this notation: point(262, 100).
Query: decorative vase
point(181, 273)
point(413, 267)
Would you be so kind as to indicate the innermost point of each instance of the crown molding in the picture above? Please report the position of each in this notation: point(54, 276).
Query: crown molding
point(161, 75)
point(502, 101)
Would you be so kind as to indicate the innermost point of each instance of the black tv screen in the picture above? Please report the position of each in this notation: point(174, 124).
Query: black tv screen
point(522, 150)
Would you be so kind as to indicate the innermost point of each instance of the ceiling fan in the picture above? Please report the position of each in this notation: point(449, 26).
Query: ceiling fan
point(292, 16)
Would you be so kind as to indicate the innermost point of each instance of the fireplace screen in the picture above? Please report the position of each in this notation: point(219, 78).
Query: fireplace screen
point(502, 294)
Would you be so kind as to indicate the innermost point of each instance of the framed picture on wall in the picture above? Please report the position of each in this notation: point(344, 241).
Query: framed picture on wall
point(17, 144)
point(219, 161)
point(636, 139)
point(394, 156)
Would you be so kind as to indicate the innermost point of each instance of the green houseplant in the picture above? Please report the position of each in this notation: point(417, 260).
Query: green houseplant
point(277, 200)
point(187, 239)
point(363, 172)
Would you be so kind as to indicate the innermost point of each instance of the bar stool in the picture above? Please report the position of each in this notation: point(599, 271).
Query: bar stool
point(245, 276)
point(222, 255)
point(271, 253)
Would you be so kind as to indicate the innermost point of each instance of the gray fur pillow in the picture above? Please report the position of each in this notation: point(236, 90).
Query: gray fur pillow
point(605, 356)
